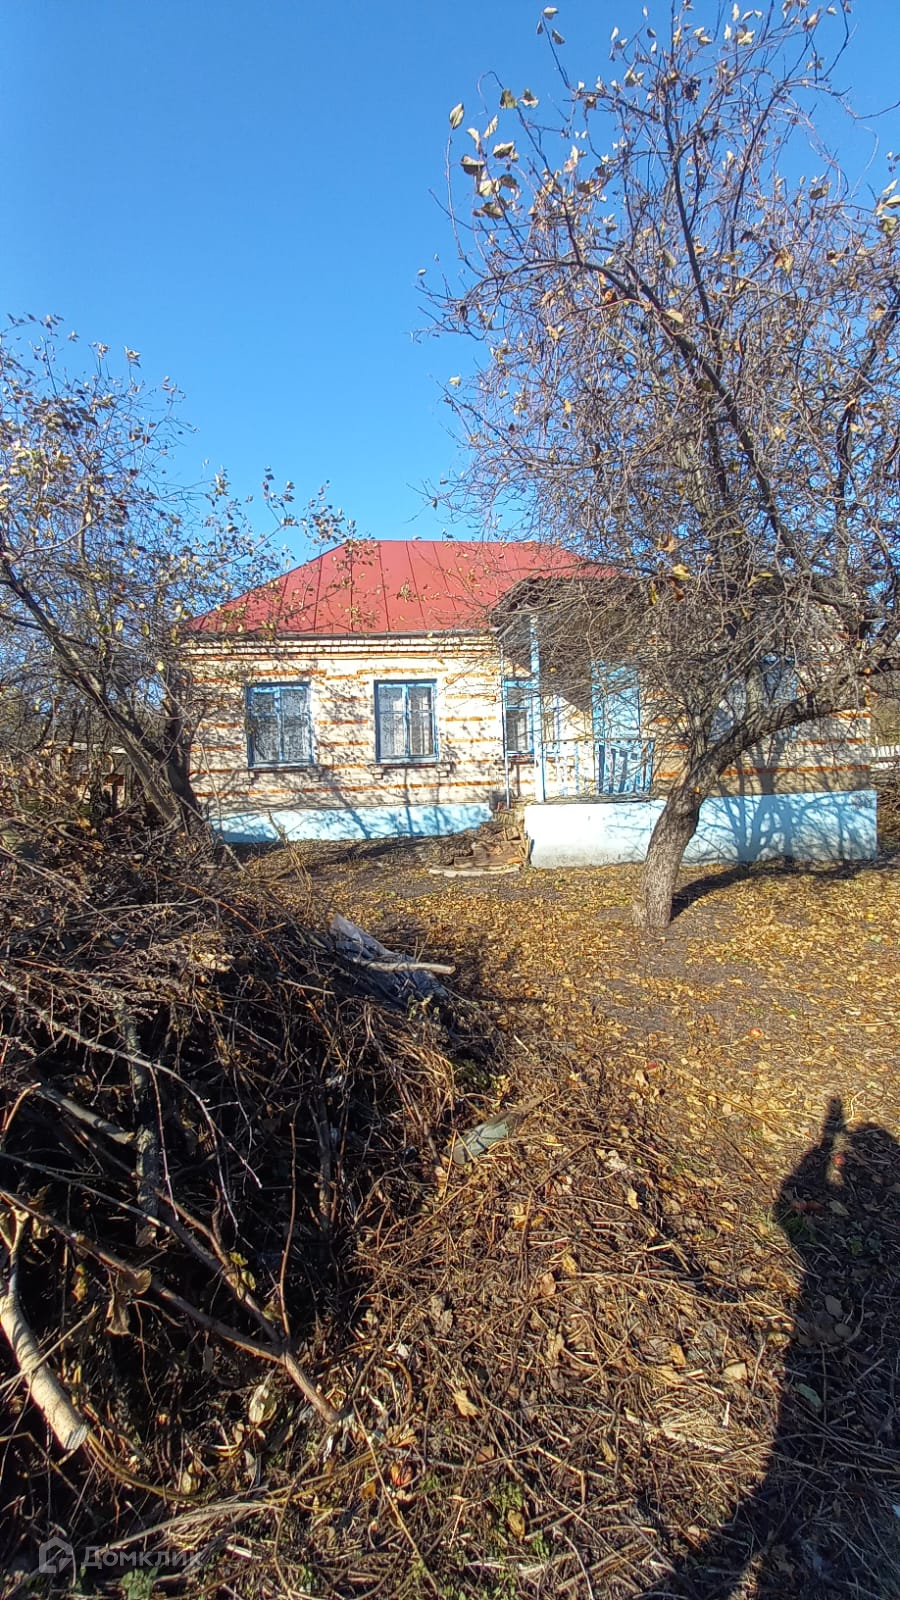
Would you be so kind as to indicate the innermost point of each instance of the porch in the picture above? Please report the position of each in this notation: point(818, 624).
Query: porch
point(572, 724)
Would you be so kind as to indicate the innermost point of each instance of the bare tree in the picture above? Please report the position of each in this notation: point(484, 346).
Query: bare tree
point(690, 327)
point(102, 561)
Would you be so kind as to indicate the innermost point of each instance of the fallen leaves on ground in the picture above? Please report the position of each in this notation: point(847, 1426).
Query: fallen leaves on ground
point(670, 1289)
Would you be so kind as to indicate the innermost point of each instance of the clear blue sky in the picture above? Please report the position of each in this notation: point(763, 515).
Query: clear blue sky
point(244, 192)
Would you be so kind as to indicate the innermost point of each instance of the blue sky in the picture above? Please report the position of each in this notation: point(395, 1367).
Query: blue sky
point(244, 192)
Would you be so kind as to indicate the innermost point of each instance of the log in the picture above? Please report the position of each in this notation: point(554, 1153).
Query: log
point(473, 872)
point(65, 1421)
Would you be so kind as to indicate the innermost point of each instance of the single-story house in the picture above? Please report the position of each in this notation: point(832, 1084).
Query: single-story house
point(391, 687)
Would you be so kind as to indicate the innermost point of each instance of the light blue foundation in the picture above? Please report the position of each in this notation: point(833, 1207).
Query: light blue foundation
point(369, 822)
point(810, 827)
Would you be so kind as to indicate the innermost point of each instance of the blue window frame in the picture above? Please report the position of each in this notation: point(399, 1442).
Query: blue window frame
point(405, 724)
point(279, 725)
point(518, 697)
point(617, 702)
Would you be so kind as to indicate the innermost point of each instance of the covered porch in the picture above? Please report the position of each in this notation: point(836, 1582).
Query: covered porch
point(578, 750)
point(572, 721)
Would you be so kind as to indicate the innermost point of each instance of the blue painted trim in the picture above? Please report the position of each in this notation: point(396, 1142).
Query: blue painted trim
point(369, 822)
point(537, 726)
point(407, 684)
point(525, 688)
point(272, 766)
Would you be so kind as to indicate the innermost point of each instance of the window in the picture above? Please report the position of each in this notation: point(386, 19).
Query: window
point(517, 718)
point(617, 702)
point(279, 725)
point(779, 684)
point(404, 722)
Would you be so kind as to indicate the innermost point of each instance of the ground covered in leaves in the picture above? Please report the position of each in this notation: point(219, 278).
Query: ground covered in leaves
point(647, 1345)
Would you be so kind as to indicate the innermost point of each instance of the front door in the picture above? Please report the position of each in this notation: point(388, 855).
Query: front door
point(623, 757)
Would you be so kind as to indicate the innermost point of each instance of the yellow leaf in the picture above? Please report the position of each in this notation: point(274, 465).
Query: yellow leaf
point(263, 1404)
point(457, 115)
point(465, 1406)
point(735, 1372)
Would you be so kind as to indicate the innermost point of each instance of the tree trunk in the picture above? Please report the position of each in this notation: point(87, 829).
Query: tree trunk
point(178, 763)
point(675, 828)
point(154, 768)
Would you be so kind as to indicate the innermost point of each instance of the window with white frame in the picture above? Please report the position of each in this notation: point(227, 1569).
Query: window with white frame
point(279, 725)
point(405, 727)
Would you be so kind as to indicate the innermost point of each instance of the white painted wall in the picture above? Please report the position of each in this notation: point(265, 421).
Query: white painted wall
point(839, 826)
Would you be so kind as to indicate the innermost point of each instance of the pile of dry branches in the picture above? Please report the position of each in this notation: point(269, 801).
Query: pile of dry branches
point(199, 1100)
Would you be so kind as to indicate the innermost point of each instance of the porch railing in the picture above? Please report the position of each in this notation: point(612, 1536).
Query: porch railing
point(584, 767)
point(624, 766)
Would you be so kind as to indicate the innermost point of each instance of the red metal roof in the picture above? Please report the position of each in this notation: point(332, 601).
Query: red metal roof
point(379, 586)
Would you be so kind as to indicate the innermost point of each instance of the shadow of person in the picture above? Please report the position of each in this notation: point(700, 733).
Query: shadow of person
point(823, 1522)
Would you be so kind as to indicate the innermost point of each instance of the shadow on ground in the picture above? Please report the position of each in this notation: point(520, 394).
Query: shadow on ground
point(823, 1521)
point(722, 878)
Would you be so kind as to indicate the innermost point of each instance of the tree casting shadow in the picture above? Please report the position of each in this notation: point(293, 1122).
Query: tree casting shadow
point(822, 1521)
point(713, 882)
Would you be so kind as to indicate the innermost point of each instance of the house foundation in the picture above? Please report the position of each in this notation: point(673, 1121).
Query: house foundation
point(835, 826)
point(345, 823)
